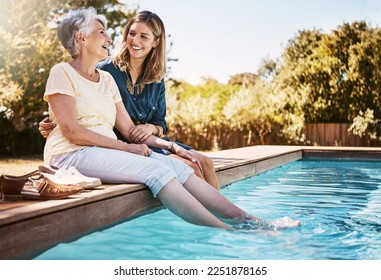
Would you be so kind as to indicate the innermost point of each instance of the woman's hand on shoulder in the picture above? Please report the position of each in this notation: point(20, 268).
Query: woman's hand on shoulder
point(139, 149)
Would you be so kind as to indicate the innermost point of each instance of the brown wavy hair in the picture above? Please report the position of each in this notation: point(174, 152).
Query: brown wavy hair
point(155, 63)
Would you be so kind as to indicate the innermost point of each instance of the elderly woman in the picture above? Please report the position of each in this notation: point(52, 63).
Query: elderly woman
point(85, 104)
point(138, 68)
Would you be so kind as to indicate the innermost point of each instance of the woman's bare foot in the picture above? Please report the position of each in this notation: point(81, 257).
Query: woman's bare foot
point(285, 222)
point(260, 225)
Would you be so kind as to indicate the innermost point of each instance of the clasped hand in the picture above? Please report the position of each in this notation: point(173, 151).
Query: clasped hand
point(138, 135)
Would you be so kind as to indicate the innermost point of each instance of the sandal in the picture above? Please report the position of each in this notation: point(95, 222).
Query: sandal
point(70, 176)
point(13, 187)
point(46, 191)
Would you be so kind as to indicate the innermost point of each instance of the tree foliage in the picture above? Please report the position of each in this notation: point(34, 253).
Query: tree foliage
point(243, 79)
point(333, 77)
point(220, 116)
point(29, 47)
point(320, 77)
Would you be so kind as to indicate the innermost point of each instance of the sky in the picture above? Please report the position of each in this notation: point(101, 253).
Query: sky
point(222, 38)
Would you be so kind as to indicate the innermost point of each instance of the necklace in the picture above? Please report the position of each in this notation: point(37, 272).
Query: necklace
point(131, 87)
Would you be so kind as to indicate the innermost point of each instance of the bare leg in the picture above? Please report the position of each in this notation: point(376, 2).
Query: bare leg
point(191, 164)
point(208, 168)
point(215, 202)
point(179, 201)
point(207, 173)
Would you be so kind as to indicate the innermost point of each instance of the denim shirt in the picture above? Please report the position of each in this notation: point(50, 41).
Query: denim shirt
point(147, 107)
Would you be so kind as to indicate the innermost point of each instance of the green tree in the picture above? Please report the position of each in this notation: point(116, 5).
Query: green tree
point(243, 79)
point(29, 47)
point(195, 112)
point(220, 116)
point(332, 77)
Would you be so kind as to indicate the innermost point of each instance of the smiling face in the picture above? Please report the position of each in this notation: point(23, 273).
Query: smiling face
point(140, 40)
point(98, 41)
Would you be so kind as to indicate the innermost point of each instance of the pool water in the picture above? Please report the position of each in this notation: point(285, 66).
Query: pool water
point(338, 202)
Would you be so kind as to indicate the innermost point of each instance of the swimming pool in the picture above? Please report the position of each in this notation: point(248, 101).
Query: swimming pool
point(338, 202)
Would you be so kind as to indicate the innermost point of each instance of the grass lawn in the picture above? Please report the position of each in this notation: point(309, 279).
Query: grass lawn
point(20, 165)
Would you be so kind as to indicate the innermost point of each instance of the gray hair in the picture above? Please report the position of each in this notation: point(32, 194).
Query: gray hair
point(77, 21)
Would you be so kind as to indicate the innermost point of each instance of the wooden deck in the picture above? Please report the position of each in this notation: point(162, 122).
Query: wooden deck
point(27, 228)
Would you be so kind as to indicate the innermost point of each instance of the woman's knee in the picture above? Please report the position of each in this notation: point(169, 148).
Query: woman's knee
point(196, 169)
point(209, 172)
point(206, 162)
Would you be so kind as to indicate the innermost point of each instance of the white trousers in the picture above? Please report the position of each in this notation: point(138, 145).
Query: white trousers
point(114, 166)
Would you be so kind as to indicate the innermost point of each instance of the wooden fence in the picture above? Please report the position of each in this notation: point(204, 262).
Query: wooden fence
point(319, 134)
point(335, 134)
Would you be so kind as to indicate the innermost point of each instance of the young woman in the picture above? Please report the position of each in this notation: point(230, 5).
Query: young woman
point(138, 68)
point(85, 104)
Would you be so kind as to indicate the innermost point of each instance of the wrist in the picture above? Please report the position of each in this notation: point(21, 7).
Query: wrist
point(170, 147)
point(123, 146)
point(158, 131)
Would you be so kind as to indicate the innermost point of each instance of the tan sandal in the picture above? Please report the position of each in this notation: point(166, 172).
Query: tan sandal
point(15, 187)
point(46, 191)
